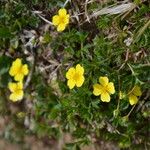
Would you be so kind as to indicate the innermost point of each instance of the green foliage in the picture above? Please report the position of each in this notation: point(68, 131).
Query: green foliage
point(102, 51)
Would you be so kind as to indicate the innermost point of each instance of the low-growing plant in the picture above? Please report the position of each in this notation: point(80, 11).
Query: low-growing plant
point(84, 72)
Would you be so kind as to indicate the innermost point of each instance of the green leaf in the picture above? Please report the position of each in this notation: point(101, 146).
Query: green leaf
point(4, 64)
point(5, 32)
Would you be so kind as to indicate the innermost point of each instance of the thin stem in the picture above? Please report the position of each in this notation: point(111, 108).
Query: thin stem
point(119, 95)
point(133, 73)
point(130, 111)
point(31, 72)
point(66, 3)
point(131, 69)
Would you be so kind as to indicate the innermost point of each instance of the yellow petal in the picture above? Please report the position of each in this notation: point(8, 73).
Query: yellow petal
point(103, 81)
point(105, 97)
point(80, 81)
point(137, 91)
point(15, 67)
point(97, 89)
point(110, 88)
point(71, 84)
point(62, 12)
point(13, 71)
point(19, 77)
point(19, 85)
point(66, 19)
point(133, 99)
point(12, 86)
point(25, 70)
point(16, 96)
point(61, 27)
point(20, 94)
point(12, 97)
point(17, 62)
point(79, 69)
point(55, 20)
point(70, 73)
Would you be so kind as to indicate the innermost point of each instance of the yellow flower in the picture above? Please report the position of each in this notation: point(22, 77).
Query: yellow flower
point(17, 91)
point(75, 76)
point(133, 95)
point(18, 70)
point(61, 20)
point(105, 88)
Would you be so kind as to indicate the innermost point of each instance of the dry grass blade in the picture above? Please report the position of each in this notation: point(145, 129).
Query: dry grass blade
point(112, 10)
point(39, 14)
point(86, 12)
point(141, 31)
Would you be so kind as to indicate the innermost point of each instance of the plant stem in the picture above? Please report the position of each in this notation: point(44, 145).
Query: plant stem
point(66, 3)
point(130, 111)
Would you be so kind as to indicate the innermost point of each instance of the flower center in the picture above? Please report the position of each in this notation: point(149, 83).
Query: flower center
point(62, 20)
point(17, 91)
point(76, 76)
point(20, 70)
point(104, 90)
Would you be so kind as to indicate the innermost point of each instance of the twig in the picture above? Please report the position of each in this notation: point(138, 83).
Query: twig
point(75, 16)
point(126, 59)
point(86, 12)
point(56, 69)
point(31, 73)
point(38, 13)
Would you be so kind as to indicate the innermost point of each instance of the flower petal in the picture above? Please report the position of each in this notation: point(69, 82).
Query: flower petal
point(12, 97)
point(71, 84)
point(133, 99)
point(19, 85)
point(17, 62)
point(110, 88)
point(79, 69)
point(19, 77)
point(105, 97)
point(97, 89)
point(137, 91)
point(13, 71)
point(66, 19)
point(12, 86)
point(80, 81)
point(70, 73)
point(20, 94)
point(15, 67)
point(103, 81)
point(62, 12)
point(16, 96)
point(61, 27)
point(55, 20)
point(25, 70)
